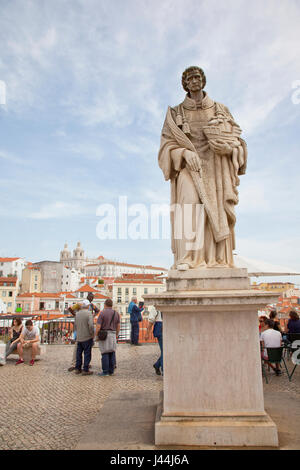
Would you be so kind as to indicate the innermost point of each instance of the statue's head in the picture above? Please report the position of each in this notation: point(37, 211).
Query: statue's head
point(189, 75)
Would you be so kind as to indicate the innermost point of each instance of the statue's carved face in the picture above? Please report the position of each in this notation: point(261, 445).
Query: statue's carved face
point(194, 81)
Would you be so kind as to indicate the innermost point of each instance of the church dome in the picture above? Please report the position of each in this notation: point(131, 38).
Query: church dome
point(65, 253)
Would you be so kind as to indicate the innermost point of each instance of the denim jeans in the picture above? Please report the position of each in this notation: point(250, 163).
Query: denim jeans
point(159, 362)
point(9, 349)
point(84, 347)
point(108, 362)
point(135, 330)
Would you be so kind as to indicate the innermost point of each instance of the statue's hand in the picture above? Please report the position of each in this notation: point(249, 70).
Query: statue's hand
point(221, 147)
point(192, 160)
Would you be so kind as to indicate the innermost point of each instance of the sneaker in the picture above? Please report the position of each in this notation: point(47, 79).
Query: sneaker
point(20, 361)
point(157, 370)
point(102, 374)
point(89, 372)
point(71, 369)
point(31, 362)
point(77, 371)
point(278, 372)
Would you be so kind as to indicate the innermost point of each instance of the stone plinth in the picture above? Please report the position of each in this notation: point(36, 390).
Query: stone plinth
point(208, 279)
point(213, 391)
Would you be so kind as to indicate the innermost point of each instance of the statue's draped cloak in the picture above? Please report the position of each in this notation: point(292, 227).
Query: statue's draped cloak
point(217, 181)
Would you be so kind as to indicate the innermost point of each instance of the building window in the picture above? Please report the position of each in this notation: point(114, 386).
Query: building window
point(4, 293)
point(127, 291)
point(145, 290)
point(119, 300)
point(10, 294)
point(134, 291)
point(56, 305)
point(9, 304)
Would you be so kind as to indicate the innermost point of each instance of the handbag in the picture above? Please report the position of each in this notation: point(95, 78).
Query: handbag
point(102, 335)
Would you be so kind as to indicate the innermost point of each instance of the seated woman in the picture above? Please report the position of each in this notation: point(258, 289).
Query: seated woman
point(293, 325)
point(273, 316)
point(15, 332)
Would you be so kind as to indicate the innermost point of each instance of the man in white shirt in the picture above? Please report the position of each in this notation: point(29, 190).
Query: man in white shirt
point(30, 338)
point(270, 339)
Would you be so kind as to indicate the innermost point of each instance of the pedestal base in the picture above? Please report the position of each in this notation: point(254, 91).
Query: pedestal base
point(215, 431)
point(213, 391)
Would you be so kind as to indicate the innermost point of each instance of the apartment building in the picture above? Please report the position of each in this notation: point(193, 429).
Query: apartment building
point(127, 286)
point(8, 293)
point(31, 280)
point(12, 267)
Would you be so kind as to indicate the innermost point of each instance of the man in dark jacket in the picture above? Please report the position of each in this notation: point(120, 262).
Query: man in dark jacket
point(135, 317)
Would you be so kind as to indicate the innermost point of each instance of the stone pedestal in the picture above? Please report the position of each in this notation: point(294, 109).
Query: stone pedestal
point(213, 391)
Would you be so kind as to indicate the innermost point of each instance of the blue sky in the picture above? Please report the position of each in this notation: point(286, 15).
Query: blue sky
point(87, 87)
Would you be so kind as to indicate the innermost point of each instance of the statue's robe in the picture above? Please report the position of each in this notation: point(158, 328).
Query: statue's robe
point(215, 188)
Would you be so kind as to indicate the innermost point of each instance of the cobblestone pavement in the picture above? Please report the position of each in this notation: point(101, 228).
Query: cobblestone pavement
point(47, 407)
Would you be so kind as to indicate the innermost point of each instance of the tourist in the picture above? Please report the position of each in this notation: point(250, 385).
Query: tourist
point(273, 316)
point(14, 333)
point(262, 324)
point(270, 338)
point(108, 323)
point(29, 338)
point(135, 317)
point(73, 309)
point(95, 310)
point(155, 322)
point(84, 325)
point(293, 325)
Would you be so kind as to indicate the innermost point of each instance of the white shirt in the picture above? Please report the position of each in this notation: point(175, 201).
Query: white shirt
point(271, 339)
point(30, 335)
point(154, 315)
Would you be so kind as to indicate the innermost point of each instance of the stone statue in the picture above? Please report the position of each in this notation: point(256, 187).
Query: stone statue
point(201, 152)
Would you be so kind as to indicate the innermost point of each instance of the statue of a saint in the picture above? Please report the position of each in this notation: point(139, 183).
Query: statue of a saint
point(201, 152)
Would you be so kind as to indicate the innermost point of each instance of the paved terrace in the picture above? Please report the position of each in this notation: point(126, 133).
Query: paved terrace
point(47, 407)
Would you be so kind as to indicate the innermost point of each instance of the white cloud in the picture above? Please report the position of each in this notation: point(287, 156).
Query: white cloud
point(285, 252)
point(59, 210)
point(11, 158)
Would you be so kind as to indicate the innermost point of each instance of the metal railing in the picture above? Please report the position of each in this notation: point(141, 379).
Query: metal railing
point(61, 331)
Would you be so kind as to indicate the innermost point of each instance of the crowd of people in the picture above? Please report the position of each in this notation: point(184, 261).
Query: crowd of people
point(106, 334)
point(272, 335)
point(85, 334)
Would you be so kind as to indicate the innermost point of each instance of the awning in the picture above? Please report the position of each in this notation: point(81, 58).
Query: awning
point(258, 268)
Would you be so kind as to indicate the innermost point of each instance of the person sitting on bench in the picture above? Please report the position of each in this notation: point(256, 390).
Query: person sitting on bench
point(30, 338)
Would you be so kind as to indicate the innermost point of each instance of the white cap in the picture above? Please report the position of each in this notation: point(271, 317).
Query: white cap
point(85, 303)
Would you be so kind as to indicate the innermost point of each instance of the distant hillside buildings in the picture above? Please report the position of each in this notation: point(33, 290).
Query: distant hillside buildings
point(50, 287)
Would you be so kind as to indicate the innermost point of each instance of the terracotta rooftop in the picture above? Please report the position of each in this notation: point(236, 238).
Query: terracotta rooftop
point(8, 260)
point(41, 295)
point(137, 281)
point(86, 288)
point(8, 279)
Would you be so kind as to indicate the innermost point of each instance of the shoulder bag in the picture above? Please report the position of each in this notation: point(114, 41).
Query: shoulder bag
point(102, 335)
